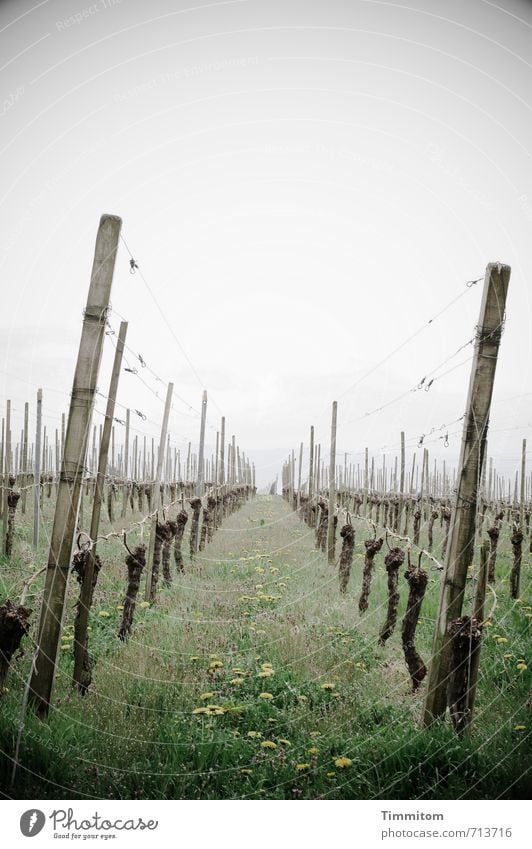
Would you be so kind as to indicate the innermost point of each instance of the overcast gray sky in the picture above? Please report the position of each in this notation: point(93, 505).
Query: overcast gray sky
point(303, 184)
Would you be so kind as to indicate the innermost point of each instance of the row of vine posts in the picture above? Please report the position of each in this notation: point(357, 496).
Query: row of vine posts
point(71, 548)
point(463, 509)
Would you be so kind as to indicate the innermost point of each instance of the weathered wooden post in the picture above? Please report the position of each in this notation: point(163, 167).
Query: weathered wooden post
point(366, 483)
point(156, 492)
point(401, 483)
point(125, 467)
point(332, 486)
point(459, 552)
point(517, 536)
point(200, 483)
point(81, 677)
point(37, 473)
point(478, 615)
point(25, 458)
point(310, 473)
point(81, 405)
point(300, 464)
point(7, 485)
point(222, 452)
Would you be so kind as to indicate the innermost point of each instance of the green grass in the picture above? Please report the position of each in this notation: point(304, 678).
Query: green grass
point(263, 596)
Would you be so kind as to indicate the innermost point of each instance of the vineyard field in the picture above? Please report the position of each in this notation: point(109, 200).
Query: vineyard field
point(253, 677)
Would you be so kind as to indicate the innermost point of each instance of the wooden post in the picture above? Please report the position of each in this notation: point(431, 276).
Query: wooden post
point(156, 490)
point(85, 596)
point(299, 476)
point(522, 493)
point(7, 473)
point(478, 614)
point(63, 431)
point(200, 483)
point(366, 483)
point(332, 486)
point(37, 473)
point(25, 458)
point(401, 482)
point(461, 537)
point(81, 405)
point(311, 469)
point(125, 467)
point(222, 452)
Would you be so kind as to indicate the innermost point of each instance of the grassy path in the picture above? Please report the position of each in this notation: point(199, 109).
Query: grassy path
point(253, 677)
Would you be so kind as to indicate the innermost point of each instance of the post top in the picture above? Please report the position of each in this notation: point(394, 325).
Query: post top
point(500, 266)
point(115, 219)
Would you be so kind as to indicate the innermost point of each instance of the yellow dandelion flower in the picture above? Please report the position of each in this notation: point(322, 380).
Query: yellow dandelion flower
point(199, 710)
point(342, 762)
point(254, 734)
point(313, 750)
point(302, 767)
point(236, 681)
point(521, 667)
point(119, 606)
point(205, 696)
point(266, 696)
point(216, 664)
point(328, 686)
point(266, 673)
point(104, 614)
point(195, 657)
point(246, 771)
point(284, 741)
point(268, 744)
point(331, 774)
point(314, 734)
point(502, 639)
point(144, 604)
point(519, 727)
point(66, 647)
point(508, 654)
